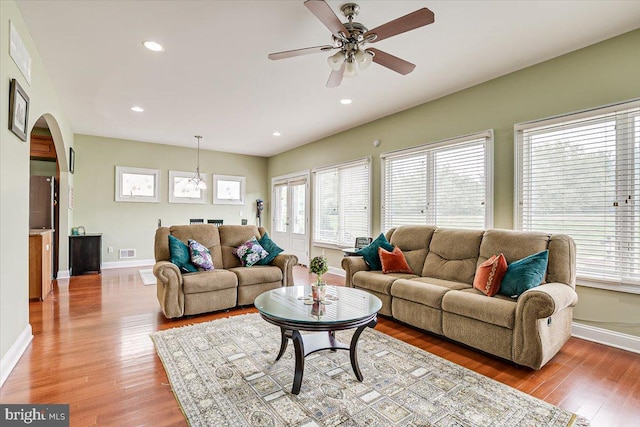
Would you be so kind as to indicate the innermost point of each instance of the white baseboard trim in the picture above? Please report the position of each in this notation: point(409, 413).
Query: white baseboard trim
point(10, 360)
point(63, 274)
point(606, 337)
point(337, 271)
point(125, 264)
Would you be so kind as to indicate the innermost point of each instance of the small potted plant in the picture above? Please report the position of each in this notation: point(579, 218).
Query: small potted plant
point(318, 266)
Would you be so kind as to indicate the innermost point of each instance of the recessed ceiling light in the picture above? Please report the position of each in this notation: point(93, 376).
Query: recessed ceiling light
point(276, 133)
point(345, 101)
point(137, 109)
point(156, 47)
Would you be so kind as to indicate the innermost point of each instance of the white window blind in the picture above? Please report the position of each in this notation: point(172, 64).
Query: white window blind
point(580, 175)
point(448, 184)
point(342, 199)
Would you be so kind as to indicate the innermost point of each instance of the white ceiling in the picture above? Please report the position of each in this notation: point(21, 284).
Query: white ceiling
point(214, 78)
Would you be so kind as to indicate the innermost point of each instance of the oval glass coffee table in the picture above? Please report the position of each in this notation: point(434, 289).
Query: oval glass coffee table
point(343, 308)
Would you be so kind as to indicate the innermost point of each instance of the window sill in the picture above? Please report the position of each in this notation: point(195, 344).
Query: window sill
point(328, 246)
point(626, 288)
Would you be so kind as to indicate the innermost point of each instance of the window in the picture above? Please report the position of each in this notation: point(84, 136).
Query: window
point(580, 175)
point(228, 190)
point(342, 198)
point(182, 190)
point(280, 204)
point(448, 184)
point(137, 184)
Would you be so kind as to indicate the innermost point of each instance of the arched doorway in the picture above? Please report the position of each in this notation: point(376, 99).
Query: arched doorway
point(47, 202)
point(44, 193)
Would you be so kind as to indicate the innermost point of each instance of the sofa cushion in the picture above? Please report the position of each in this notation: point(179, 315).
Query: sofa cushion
point(453, 255)
point(524, 274)
point(180, 255)
point(449, 284)
point(514, 245)
point(413, 241)
point(269, 246)
point(257, 274)
point(207, 281)
point(200, 256)
point(232, 236)
point(376, 281)
point(205, 234)
point(394, 261)
point(489, 275)
point(473, 304)
point(423, 292)
point(370, 252)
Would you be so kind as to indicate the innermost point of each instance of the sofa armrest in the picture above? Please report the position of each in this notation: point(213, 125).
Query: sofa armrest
point(543, 323)
point(351, 265)
point(547, 300)
point(169, 288)
point(286, 262)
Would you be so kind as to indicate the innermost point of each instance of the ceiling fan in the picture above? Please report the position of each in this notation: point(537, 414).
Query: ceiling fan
point(350, 38)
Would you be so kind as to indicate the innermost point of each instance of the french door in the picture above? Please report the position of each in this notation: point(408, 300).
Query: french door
point(290, 214)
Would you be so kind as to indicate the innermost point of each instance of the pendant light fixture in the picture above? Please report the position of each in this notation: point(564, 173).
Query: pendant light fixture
point(197, 180)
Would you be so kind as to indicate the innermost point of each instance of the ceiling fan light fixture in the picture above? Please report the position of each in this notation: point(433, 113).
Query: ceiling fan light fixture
point(364, 58)
point(335, 61)
point(350, 69)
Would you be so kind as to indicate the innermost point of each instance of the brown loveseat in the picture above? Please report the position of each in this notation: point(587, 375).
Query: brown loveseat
point(229, 284)
point(439, 296)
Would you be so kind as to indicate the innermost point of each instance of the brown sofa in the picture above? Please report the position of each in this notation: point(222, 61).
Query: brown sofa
point(229, 284)
point(439, 296)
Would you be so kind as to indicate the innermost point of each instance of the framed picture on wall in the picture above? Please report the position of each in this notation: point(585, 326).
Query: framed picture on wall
point(18, 110)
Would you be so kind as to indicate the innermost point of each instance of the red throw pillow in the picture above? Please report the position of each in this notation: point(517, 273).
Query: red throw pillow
point(490, 274)
point(393, 262)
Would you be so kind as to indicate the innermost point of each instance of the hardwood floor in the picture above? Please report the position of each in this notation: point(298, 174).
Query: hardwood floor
point(91, 349)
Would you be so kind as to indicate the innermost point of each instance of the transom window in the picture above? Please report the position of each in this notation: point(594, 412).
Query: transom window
point(579, 174)
point(137, 184)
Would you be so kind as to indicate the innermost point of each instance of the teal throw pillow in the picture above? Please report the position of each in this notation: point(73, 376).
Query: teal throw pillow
point(370, 253)
point(524, 274)
point(180, 255)
point(269, 246)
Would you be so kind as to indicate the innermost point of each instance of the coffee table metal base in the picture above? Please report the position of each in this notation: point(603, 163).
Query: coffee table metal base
point(306, 344)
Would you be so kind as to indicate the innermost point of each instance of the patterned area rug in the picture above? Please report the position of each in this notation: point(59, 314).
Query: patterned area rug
point(223, 374)
point(147, 277)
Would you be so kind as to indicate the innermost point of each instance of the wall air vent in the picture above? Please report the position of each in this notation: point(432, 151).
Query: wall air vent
point(127, 253)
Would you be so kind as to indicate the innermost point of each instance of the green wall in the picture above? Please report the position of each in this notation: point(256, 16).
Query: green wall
point(600, 74)
point(15, 331)
point(127, 225)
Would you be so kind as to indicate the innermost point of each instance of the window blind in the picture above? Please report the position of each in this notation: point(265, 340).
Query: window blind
point(580, 175)
point(342, 199)
point(448, 184)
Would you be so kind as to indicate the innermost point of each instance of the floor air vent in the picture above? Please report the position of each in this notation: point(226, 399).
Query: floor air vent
point(127, 253)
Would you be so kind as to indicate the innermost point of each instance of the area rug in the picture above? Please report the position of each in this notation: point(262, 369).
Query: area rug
point(147, 277)
point(223, 373)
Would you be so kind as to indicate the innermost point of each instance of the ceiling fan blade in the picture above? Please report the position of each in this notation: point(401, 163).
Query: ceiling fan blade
point(335, 78)
point(323, 12)
point(392, 62)
point(417, 19)
point(299, 52)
